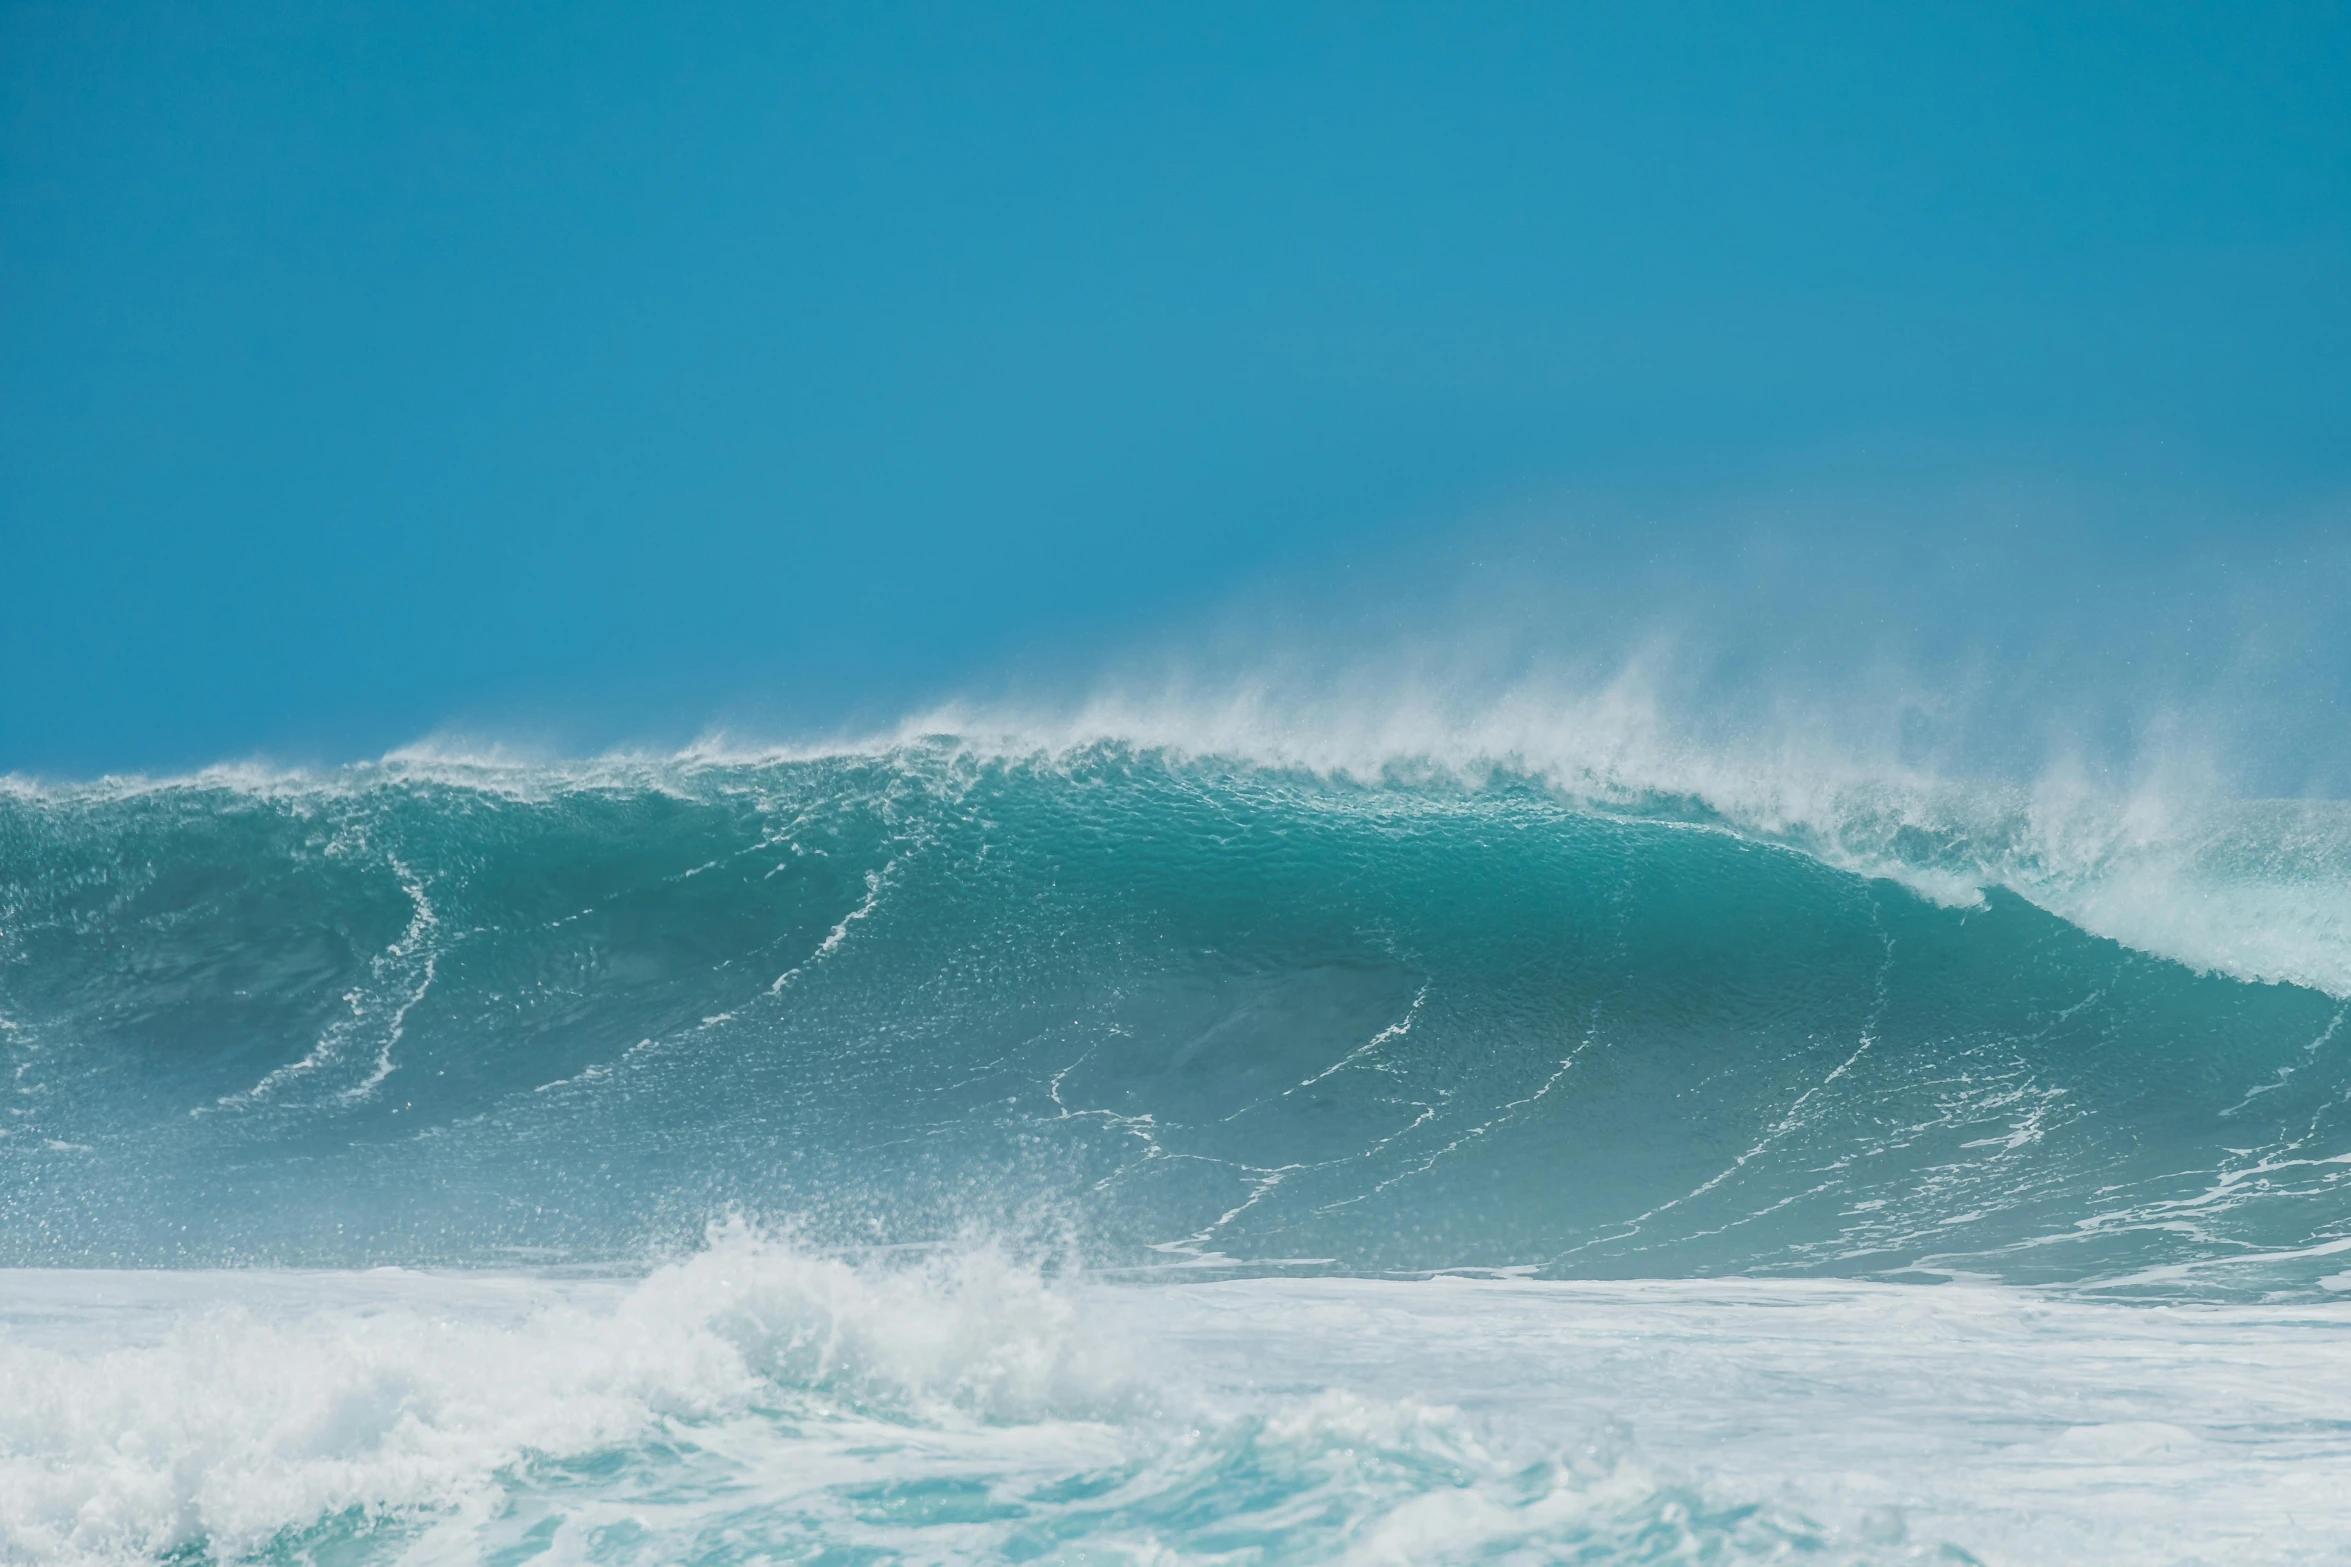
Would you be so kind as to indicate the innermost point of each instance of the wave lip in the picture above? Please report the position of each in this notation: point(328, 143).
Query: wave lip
point(2168, 862)
point(2255, 889)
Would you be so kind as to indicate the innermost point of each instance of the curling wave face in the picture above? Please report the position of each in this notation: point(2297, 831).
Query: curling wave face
point(1210, 1006)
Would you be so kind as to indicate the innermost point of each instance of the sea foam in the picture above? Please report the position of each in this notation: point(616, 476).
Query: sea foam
point(756, 1398)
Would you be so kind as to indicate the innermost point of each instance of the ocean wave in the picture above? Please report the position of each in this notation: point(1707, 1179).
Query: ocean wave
point(1389, 1006)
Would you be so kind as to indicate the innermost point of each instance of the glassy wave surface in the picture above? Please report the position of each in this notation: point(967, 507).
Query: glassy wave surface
point(1054, 1147)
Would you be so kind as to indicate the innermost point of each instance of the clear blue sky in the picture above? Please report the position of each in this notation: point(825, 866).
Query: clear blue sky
point(369, 367)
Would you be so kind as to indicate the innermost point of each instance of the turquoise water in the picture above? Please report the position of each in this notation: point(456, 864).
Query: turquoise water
point(1110, 1149)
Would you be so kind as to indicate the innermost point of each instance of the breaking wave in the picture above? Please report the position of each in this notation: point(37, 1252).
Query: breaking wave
point(1222, 996)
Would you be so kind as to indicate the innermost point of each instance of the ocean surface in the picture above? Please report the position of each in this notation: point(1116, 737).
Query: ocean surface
point(1102, 1145)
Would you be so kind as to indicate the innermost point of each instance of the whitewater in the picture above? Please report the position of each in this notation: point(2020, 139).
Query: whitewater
point(1117, 1140)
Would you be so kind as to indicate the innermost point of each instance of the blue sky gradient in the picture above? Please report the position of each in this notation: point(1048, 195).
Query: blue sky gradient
point(605, 371)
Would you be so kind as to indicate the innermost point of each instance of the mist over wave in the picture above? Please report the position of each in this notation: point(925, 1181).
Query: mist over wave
point(1183, 1130)
point(1291, 1110)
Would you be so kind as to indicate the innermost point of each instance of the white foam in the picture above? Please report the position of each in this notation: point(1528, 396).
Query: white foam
point(2022, 1427)
point(141, 1412)
point(756, 1393)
